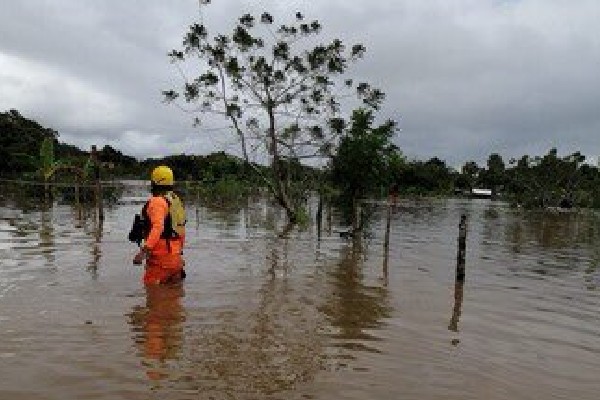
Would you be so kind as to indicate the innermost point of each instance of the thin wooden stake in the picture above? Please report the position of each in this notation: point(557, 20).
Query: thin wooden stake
point(386, 242)
point(96, 162)
point(319, 217)
point(462, 244)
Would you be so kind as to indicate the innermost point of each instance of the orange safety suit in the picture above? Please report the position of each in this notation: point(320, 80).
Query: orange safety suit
point(164, 263)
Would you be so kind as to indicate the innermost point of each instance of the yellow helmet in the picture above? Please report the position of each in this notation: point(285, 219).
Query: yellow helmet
point(162, 176)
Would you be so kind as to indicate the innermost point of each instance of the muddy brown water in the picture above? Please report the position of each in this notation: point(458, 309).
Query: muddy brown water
point(265, 317)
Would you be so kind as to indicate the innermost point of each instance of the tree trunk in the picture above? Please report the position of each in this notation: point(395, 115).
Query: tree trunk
point(356, 212)
point(280, 188)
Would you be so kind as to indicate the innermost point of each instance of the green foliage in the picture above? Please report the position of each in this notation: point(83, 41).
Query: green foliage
point(537, 182)
point(230, 190)
point(20, 140)
point(29, 149)
point(115, 164)
point(303, 217)
point(366, 159)
point(46, 162)
point(209, 169)
point(432, 177)
point(551, 181)
point(495, 174)
point(365, 156)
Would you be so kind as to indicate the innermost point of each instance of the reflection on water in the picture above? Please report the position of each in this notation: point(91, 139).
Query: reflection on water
point(95, 250)
point(456, 309)
point(253, 340)
point(307, 315)
point(158, 328)
point(353, 307)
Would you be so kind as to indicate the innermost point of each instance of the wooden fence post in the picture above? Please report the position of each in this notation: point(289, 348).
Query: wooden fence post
point(462, 244)
point(329, 217)
point(319, 216)
point(96, 162)
point(386, 242)
point(388, 224)
point(78, 182)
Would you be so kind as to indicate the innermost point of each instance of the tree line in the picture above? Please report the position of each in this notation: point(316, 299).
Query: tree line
point(366, 164)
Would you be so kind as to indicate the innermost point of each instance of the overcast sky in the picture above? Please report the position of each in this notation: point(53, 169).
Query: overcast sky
point(464, 78)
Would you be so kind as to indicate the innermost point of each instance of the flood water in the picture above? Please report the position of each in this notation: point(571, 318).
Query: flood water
point(268, 317)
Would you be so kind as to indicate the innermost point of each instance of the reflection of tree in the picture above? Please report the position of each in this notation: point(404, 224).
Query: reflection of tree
point(95, 251)
point(271, 347)
point(46, 233)
point(556, 239)
point(592, 275)
point(254, 212)
point(158, 328)
point(353, 307)
point(228, 216)
point(548, 230)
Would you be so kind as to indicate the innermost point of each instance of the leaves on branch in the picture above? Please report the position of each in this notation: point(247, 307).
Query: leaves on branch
point(337, 125)
point(252, 123)
point(217, 55)
point(316, 132)
point(242, 38)
point(170, 95)
point(266, 18)
point(176, 55)
point(208, 79)
point(358, 50)
point(317, 96)
point(232, 67)
point(194, 37)
point(190, 92)
point(233, 110)
point(305, 28)
point(290, 131)
point(281, 51)
point(333, 105)
point(370, 96)
point(297, 65)
point(247, 20)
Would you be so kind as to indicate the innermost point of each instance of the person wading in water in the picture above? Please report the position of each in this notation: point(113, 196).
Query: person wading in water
point(160, 231)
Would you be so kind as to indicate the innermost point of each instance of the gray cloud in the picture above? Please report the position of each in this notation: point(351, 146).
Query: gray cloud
point(464, 78)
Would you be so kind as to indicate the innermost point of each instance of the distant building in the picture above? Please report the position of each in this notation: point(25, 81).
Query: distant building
point(481, 193)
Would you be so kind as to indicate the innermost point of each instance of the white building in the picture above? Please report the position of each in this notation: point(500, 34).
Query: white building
point(485, 193)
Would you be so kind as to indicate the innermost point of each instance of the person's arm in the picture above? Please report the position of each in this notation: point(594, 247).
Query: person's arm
point(157, 211)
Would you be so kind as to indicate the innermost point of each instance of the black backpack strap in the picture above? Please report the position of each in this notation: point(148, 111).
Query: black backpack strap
point(168, 224)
